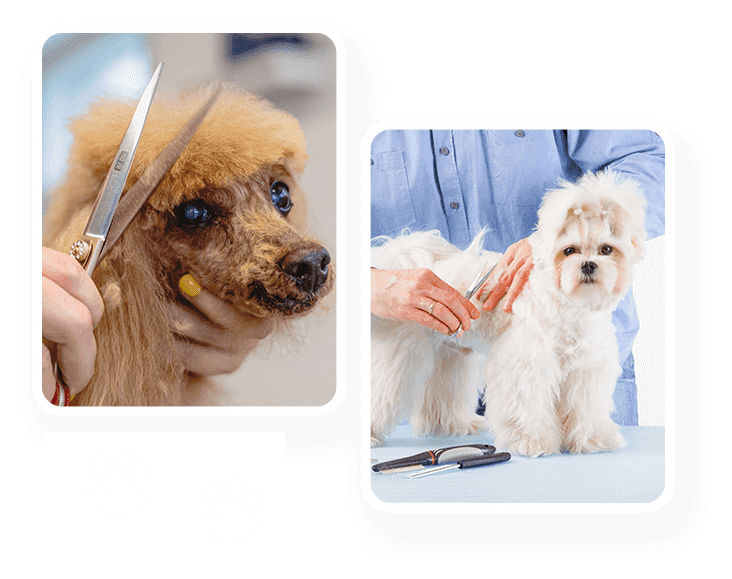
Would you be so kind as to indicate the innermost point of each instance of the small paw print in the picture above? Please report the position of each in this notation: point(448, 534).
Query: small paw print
point(228, 510)
point(118, 484)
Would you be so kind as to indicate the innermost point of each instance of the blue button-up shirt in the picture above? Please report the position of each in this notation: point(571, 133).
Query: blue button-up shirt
point(458, 182)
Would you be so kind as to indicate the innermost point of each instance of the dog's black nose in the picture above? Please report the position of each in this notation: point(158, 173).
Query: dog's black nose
point(308, 267)
point(588, 267)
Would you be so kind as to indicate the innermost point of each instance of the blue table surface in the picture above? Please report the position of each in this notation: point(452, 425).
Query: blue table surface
point(634, 474)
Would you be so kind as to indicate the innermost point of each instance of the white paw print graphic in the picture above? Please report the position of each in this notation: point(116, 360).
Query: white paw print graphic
point(118, 484)
point(228, 511)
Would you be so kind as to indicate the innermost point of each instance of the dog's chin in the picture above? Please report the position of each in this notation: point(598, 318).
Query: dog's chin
point(269, 304)
point(590, 292)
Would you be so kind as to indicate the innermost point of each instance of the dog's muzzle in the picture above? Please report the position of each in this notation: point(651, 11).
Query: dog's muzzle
point(302, 277)
point(588, 271)
point(307, 267)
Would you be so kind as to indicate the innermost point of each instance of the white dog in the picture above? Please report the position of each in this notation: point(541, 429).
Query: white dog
point(552, 364)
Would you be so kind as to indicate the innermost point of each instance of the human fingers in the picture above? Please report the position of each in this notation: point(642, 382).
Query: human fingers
point(520, 280)
point(497, 292)
point(207, 361)
point(48, 378)
point(497, 288)
point(436, 316)
point(67, 322)
point(517, 260)
point(222, 314)
point(453, 310)
point(191, 326)
point(419, 296)
point(441, 301)
point(214, 338)
point(64, 271)
point(498, 283)
point(521, 266)
point(460, 306)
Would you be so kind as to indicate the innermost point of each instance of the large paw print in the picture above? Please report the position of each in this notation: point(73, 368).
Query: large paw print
point(121, 497)
point(232, 521)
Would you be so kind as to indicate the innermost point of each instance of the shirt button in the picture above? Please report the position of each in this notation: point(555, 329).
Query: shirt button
point(520, 134)
point(454, 205)
point(445, 151)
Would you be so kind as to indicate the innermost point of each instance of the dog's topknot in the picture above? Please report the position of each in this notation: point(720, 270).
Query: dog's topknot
point(248, 133)
point(607, 195)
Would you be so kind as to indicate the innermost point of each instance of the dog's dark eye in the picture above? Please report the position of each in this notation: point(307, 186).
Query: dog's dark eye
point(280, 195)
point(193, 213)
point(606, 250)
point(570, 251)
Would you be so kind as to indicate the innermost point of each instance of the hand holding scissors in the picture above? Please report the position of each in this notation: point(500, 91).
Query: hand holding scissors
point(109, 218)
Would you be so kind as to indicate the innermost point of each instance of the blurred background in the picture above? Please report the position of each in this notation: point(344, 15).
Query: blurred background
point(297, 73)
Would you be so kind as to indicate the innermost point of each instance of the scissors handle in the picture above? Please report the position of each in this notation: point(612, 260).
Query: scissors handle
point(87, 251)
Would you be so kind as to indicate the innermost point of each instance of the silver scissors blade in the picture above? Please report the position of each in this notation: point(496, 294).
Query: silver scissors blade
point(88, 248)
point(479, 281)
point(138, 194)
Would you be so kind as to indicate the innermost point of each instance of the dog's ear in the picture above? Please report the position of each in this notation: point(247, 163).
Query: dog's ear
point(556, 207)
point(618, 199)
point(625, 205)
point(628, 225)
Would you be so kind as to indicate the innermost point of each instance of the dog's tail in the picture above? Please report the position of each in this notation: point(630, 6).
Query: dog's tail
point(414, 250)
point(476, 246)
point(410, 250)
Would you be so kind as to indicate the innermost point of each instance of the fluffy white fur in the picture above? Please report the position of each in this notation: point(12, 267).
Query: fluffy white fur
point(552, 364)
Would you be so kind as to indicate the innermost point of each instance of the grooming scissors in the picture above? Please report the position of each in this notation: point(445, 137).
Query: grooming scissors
point(88, 249)
point(479, 281)
point(485, 460)
point(111, 215)
point(432, 457)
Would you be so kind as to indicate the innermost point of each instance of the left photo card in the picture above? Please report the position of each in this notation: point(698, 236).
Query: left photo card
point(189, 224)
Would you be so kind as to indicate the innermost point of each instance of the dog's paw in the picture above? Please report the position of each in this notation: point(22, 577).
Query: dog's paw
point(376, 442)
point(530, 446)
point(450, 427)
point(476, 426)
point(599, 441)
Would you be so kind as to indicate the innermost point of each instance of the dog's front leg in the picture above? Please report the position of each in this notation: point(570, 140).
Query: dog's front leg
point(585, 408)
point(522, 391)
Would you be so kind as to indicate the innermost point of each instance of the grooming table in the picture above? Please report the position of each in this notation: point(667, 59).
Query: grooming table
point(634, 474)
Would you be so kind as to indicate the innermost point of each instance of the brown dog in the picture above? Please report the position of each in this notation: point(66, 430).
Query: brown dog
point(229, 212)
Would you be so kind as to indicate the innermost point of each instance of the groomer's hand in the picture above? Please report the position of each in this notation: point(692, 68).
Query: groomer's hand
point(218, 339)
point(418, 295)
point(513, 272)
point(72, 308)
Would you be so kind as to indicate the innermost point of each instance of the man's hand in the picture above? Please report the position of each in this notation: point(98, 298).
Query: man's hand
point(513, 272)
point(418, 295)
